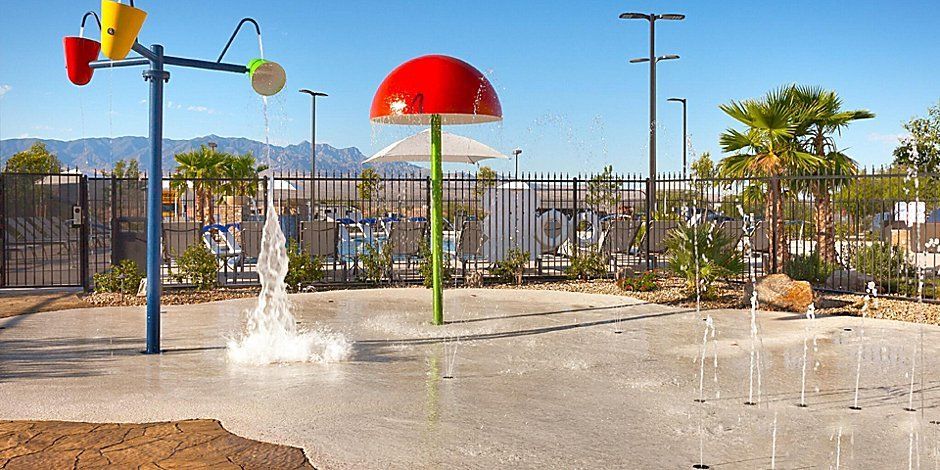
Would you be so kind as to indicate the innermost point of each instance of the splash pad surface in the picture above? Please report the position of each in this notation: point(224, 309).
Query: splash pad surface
point(540, 380)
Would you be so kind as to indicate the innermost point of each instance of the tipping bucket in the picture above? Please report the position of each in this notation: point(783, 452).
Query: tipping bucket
point(267, 78)
point(79, 52)
point(120, 25)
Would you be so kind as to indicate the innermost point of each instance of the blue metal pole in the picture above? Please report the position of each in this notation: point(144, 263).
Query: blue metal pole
point(157, 77)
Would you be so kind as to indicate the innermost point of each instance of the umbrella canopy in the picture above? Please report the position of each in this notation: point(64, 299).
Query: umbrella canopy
point(456, 149)
point(435, 85)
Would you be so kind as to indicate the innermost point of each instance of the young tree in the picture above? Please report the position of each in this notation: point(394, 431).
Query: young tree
point(486, 179)
point(36, 159)
point(129, 169)
point(922, 146)
point(368, 185)
point(604, 189)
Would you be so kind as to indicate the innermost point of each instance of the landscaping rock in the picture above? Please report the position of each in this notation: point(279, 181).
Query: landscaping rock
point(779, 292)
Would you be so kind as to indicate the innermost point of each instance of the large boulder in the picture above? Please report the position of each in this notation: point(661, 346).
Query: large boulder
point(779, 292)
point(849, 280)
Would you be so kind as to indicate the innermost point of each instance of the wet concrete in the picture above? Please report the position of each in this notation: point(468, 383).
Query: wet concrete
point(541, 379)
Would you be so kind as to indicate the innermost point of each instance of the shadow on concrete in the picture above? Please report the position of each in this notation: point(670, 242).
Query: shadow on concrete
point(525, 332)
point(43, 358)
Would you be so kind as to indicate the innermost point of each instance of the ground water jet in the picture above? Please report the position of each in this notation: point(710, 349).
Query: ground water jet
point(870, 297)
point(810, 316)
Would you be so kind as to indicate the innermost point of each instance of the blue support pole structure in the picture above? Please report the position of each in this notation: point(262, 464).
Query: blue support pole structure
point(157, 77)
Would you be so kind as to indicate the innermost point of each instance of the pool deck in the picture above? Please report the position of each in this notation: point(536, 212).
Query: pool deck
point(542, 380)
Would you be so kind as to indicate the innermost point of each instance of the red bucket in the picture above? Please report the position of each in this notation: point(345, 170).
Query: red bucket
point(79, 52)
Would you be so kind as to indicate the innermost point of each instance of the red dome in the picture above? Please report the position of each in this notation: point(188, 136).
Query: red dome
point(435, 84)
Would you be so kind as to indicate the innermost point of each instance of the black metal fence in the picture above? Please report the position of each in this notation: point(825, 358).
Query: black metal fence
point(839, 232)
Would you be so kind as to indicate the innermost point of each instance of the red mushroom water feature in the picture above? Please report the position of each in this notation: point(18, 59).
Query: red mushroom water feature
point(436, 90)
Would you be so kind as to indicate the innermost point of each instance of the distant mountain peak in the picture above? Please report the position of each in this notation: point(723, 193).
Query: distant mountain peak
point(100, 153)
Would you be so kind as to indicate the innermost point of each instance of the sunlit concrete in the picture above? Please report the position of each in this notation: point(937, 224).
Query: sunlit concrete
point(542, 379)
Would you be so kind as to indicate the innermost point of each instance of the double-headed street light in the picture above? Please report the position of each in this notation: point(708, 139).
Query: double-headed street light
point(685, 133)
point(653, 59)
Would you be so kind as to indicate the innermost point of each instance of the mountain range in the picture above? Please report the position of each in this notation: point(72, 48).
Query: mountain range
point(92, 154)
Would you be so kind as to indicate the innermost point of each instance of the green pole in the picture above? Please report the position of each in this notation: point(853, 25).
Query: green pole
point(437, 220)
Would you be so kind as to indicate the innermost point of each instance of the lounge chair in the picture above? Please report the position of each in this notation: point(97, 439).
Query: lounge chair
point(926, 239)
point(733, 230)
point(179, 237)
point(406, 239)
point(618, 239)
point(250, 234)
point(657, 233)
point(470, 243)
point(318, 239)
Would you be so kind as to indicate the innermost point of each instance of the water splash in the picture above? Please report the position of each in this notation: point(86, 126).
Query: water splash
point(838, 439)
point(773, 445)
point(810, 316)
point(272, 335)
point(870, 300)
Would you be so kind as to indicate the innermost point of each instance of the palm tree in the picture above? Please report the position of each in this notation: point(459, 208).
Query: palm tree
point(240, 173)
point(201, 169)
point(767, 149)
point(822, 118)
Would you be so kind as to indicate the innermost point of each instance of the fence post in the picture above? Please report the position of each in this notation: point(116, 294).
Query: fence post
point(84, 234)
point(3, 232)
point(649, 219)
point(574, 218)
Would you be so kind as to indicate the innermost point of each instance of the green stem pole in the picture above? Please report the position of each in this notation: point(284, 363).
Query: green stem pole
point(437, 220)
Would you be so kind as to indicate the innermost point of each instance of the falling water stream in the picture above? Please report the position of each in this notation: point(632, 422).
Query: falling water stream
point(271, 335)
point(810, 316)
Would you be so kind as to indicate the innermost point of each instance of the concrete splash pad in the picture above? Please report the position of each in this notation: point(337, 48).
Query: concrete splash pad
point(542, 379)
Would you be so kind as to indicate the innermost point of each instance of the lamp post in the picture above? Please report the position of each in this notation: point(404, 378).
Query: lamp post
point(685, 133)
point(516, 154)
point(313, 143)
point(313, 128)
point(653, 59)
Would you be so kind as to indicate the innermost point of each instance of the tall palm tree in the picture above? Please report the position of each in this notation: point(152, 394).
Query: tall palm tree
point(823, 118)
point(240, 173)
point(767, 149)
point(201, 170)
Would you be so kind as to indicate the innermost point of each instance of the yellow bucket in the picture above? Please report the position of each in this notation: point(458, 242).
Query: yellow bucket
point(120, 25)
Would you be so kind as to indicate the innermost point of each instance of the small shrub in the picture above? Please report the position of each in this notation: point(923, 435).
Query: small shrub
point(587, 264)
point(198, 266)
point(376, 263)
point(122, 278)
point(426, 267)
point(644, 282)
point(810, 268)
point(512, 267)
point(716, 256)
point(302, 270)
point(888, 264)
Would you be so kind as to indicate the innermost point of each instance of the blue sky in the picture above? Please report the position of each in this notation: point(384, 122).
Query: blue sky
point(570, 98)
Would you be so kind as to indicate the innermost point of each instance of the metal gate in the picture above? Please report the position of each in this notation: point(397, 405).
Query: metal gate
point(43, 227)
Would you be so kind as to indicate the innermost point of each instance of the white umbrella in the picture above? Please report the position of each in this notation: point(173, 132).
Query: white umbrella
point(457, 149)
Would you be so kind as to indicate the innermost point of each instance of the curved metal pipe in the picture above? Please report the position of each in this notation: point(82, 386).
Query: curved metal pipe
point(237, 29)
point(81, 32)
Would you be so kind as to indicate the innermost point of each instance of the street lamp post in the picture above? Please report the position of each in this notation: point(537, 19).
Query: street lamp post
point(685, 133)
point(516, 154)
point(653, 59)
point(313, 143)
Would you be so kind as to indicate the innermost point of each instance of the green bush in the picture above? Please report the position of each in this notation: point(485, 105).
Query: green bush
point(717, 257)
point(512, 267)
point(644, 282)
point(427, 269)
point(888, 264)
point(587, 264)
point(810, 268)
point(376, 263)
point(198, 266)
point(122, 278)
point(302, 270)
